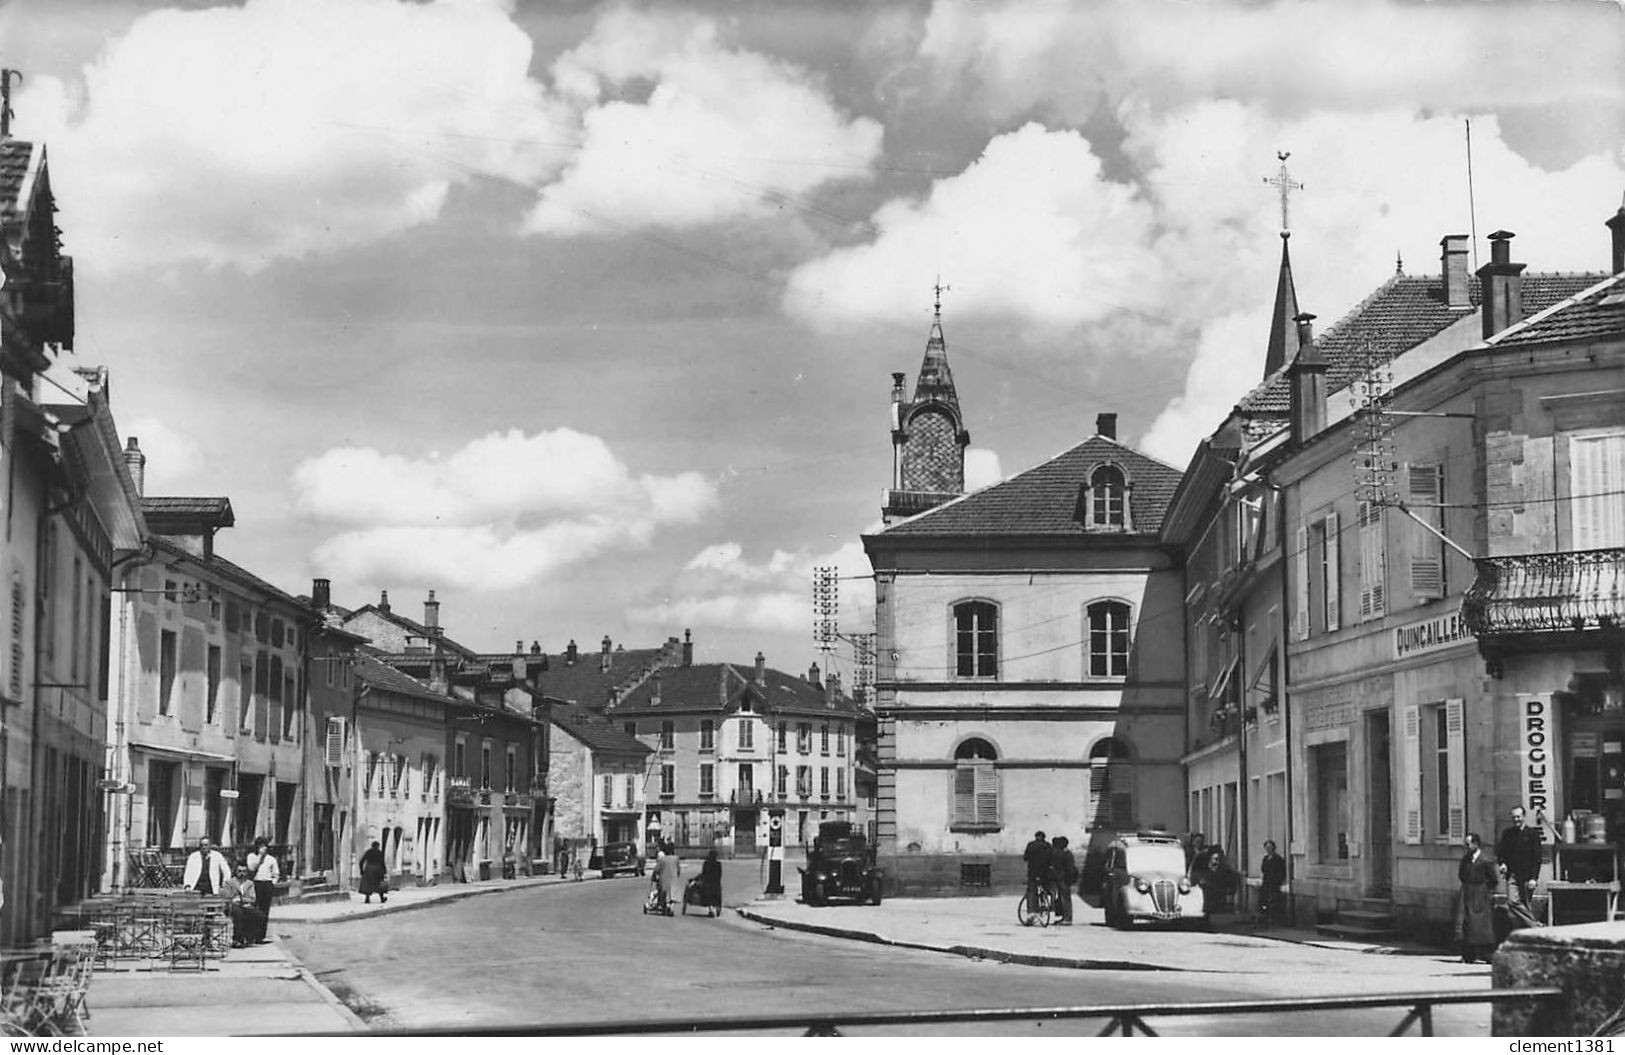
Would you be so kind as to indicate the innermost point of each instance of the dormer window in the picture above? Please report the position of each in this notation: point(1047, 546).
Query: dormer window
point(1107, 498)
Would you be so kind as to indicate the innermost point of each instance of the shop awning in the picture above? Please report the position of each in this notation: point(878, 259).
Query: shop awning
point(1222, 684)
point(184, 753)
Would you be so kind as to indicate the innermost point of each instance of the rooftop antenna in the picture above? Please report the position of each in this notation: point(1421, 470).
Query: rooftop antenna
point(6, 77)
point(1472, 209)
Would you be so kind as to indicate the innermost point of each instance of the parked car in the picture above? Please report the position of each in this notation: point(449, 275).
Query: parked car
point(621, 857)
point(1145, 880)
point(840, 864)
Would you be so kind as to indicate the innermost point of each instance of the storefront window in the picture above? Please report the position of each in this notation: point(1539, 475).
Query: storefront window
point(1331, 773)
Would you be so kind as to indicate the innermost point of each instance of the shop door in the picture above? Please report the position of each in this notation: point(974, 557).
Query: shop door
point(745, 833)
point(1379, 797)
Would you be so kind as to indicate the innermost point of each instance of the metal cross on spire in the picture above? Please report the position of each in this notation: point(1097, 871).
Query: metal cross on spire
point(1283, 182)
point(940, 290)
point(6, 77)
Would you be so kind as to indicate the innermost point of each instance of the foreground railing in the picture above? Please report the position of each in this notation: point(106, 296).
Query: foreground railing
point(1120, 1019)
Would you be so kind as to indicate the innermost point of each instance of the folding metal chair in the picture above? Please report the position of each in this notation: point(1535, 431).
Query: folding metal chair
point(188, 938)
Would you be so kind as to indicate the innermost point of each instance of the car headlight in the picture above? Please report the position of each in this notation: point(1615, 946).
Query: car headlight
point(1184, 885)
point(1141, 885)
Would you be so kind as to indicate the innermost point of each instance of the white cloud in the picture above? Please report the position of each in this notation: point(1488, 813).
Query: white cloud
point(241, 135)
point(173, 459)
point(502, 512)
point(982, 468)
point(723, 133)
point(1031, 231)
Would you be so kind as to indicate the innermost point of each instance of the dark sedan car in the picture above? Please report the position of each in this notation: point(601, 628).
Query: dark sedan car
point(620, 857)
point(840, 864)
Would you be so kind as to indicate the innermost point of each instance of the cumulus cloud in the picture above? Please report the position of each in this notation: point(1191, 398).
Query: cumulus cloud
point(982, 468)
point(721, 588)
point(1032, 230)
point(501, 512)
point(173, 458)
point(723, 133)
point(280, 128)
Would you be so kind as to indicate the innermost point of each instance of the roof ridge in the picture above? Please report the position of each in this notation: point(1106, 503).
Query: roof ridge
point(1552, 309)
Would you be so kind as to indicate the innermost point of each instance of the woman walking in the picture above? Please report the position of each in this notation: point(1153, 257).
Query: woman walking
point(667, 871)
point(711, 882)
point(374, 875)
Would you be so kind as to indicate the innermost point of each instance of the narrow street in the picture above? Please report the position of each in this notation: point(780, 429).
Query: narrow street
point(586, 952)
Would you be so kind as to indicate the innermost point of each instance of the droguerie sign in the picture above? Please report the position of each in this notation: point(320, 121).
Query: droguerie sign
point(1429, 635)
point(1536, 738)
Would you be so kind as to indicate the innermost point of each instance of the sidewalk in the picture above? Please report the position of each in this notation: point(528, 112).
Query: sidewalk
point(261, 989)
point(986, 928)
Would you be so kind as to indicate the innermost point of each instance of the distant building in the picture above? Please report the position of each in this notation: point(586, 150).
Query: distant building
point(595, 780)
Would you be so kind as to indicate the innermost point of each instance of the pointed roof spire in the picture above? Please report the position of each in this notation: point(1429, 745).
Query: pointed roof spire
point(1283, 329)
point(936, 380)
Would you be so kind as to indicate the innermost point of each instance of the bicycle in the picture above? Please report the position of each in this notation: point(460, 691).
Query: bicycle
point(1041, 913)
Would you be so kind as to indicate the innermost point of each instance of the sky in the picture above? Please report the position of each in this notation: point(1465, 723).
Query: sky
point(583, 315)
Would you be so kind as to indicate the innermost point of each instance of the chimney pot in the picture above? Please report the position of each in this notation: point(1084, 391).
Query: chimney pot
point(1453, 267)
point(688, 648)
point(897, 387)
point(1106, 426)
point(570, 653)
point(431, 612)
point(813, 676)
point(761, 669)
point(1306, 329)
point(535, 648)
point(1616, 226)
point(383, 601)
point(1500, 284)
point(136, 463)
point(321, 594)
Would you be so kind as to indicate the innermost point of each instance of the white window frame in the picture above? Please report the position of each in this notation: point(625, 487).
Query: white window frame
point(1596, 482)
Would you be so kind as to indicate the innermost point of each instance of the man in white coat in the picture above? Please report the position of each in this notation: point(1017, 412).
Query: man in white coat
point(206, 869)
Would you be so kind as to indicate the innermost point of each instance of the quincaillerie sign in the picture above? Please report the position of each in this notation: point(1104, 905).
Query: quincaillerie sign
point(1429, 635)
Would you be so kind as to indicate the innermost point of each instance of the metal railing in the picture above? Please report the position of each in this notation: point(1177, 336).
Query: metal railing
point(1536, 592)
point(1120, 1019)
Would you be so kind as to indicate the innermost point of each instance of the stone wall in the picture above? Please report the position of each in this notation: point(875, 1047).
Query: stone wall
point(1587, 961)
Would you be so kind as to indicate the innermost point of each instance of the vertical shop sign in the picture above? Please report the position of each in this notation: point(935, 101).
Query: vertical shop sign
point(1535, 737)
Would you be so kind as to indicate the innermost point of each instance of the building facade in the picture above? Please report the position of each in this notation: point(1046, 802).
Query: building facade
point(595, 780)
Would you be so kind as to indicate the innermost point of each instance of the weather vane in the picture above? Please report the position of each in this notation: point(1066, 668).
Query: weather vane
point(940, 290)
point(1283, 182)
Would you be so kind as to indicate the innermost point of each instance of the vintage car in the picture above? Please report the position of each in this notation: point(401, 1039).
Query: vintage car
point(620, 857)
point(1144, 879)
point(840, 864)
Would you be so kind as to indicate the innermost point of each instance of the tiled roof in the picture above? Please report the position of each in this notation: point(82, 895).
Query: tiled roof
point(1596, 312)
point(415, 628)
point(584, 681)
point(385, 677)
point(1399, 315)
point(227, 569)
point(596, 731)
point(15, 155)
point(1043, 500)
point(712, 686)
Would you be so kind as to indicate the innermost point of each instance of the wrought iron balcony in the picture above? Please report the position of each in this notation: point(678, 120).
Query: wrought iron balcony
point(1546, 593)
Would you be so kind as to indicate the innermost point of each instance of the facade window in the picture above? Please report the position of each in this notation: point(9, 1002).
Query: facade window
point(1373, 561)
point(840, 784)
point(784, 729)
point(823, 739)
point(804, 781)
point(170, 593)
point(1317, 578)
point(976, 639)
point(747, 780)
point(510, 771)
point(1106, 493)
point(1329, 769)
point(211, 701)
point(277, 632)
point(1434, 761)
point(630, 783)
point(747, 734)
point(668, 780)
point(609, 793)
point(245, 697)
point(708, 779)
point(630, 727)
point(1108, 639)
point(459, 758)
point(485, 765)
point(823, 781)
point(166, 669)
point(1111, 785)
point(975, 787)
point(783, 786)
point(804, 738)
point(1425, 498)
point(708, 735)
point(290, 709)
point(1597, 488)
point(668, 736)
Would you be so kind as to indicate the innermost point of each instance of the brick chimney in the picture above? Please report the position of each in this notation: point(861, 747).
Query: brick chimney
point(136, 462)
point(603, 656)
point(1106, 426)
point(688, 648)
point(431, 612)
point(383, 601)
point(519, 667)
point(535, 648)
point(321, 594)
point(570, 653)
point(1501, 284)
point(761, 669)
point(1307, 375)
point(1453, 265)
point(1616, 224)
point(814, 676)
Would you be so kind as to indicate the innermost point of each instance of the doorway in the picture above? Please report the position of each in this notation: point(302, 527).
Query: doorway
point(1379, 806)
point(745, 833)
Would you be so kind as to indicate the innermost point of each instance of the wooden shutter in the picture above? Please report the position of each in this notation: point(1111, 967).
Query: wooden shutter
point(1372, 560)
point(1300, 614)
point(1456, 750)
point(1334, 574)
point(962, 791)
point(1411, 767)
point(1425, 490)
point(1597, 476)
point(987, 794)
point(333, 753)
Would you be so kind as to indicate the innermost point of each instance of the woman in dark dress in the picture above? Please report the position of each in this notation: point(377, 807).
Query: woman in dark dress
point(374, 875)
point(711, 882)
point(1476, 916)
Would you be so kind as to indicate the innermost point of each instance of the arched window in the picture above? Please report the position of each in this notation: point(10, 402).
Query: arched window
point(975, 788)
point(976, 639)
point(1108, 639)
point(1111, 785)
point(1106, 497)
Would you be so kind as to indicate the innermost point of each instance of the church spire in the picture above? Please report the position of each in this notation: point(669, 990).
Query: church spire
point(1283, 329)
point(928, 433)
point(936, 380)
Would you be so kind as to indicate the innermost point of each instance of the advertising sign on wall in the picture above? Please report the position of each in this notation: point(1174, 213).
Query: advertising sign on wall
point(1537, 773)
point(1429, 635)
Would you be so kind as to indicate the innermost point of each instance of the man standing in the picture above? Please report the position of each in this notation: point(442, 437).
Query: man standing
point(264, 870)
point(1518, 853)
point(1475, 920)
point(1037, 856)
point(1271, 878)
point(206, 869)
point(1064, 872)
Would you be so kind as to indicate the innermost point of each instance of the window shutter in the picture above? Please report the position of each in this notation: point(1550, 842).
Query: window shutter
point(1100, 797)
point(1372, 560)
point(1300, 616)
point(1424, 488)
point(1412, 769)
point(987, 794)
point(1334, 576)
point(1596, 479)
point(1456, 749)
point(333, 755)
point(962, 790)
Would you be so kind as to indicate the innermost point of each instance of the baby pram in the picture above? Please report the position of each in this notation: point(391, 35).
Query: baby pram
point(694, 894)
point(657, 902)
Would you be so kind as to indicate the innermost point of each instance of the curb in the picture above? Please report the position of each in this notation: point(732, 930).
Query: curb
point(409, 906)
point(972, 952)
point(356, 1023)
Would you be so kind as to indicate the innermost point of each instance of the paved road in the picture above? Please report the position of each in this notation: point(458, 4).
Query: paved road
point(585, 952)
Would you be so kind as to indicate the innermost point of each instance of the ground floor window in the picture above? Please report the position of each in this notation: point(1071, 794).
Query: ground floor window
point(974, 788)
point(1329, 765)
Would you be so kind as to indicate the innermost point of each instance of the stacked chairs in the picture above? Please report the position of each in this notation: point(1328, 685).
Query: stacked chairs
point(21, 973)
point(43, 989)
point(188, 934)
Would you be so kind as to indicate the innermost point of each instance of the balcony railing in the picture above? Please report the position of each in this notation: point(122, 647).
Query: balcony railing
point(745, 797)
point(1546, 592)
